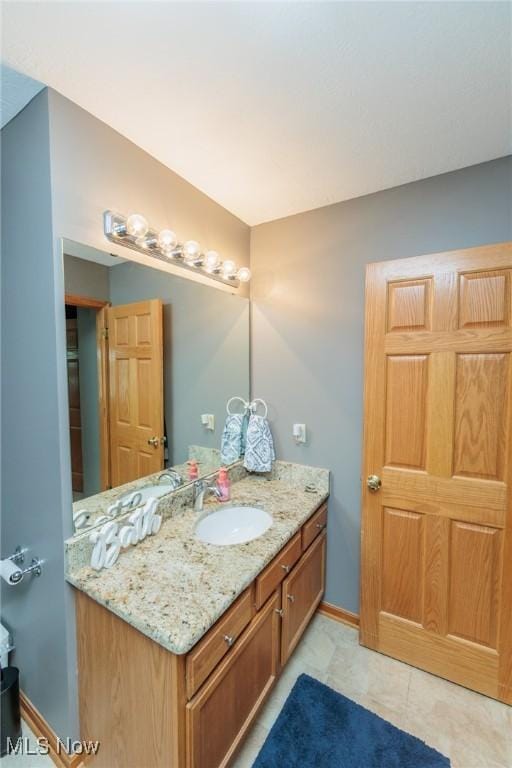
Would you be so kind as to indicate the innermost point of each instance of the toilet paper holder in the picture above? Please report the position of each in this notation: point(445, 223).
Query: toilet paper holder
point(34, 569)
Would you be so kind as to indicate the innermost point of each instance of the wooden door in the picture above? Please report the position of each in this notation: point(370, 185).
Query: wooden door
point(437, 536)
point(75, 418)
point(302, 593)
point(136, 390)
point(219, 716)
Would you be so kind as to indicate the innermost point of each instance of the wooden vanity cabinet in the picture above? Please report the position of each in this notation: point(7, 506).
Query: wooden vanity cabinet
point(302, 593)
point(206, 655)
point(314, 526)
point(281, 565)
point(155, 709)
point(220, 714)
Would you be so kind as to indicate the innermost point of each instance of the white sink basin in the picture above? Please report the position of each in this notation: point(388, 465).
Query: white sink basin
point(233, 525)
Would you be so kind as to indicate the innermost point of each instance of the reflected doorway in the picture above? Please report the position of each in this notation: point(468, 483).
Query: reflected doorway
point(87, 373)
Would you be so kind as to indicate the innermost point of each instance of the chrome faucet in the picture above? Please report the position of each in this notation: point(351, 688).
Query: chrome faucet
point(201, 488)
point(174, 478)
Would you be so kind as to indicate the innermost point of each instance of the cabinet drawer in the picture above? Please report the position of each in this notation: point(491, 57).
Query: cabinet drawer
point(219, 716)
point(280, 566)
point(315, 525)
point(205, 656)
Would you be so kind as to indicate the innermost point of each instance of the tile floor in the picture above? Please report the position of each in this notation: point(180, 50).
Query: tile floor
point(472, 730)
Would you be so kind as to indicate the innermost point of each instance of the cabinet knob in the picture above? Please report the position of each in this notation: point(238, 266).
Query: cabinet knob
point(320, 526)
point(279, 611)
point(286, 568)
point(291, 598)
point(229, 640)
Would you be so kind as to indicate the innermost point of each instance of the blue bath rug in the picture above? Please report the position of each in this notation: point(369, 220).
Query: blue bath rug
point(319, 728)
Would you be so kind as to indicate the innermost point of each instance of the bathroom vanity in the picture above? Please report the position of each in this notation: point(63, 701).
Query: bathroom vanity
point(180, 642)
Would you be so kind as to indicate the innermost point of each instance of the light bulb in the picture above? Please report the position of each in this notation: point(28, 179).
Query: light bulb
point(244, 274)
point(191, 249)
point(136, 225)
point(211, 260)
point(229, 268)
point(167, 240)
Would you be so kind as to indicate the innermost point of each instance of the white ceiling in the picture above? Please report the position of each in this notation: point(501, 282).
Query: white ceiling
point(276, 108)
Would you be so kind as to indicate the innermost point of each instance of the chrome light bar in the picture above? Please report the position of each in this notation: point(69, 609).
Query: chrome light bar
point(134, 232)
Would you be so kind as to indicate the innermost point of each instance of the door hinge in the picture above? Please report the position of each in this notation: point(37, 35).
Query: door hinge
point(105, 334)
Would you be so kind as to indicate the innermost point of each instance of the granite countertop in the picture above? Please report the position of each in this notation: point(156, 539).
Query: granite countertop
point(173, 588)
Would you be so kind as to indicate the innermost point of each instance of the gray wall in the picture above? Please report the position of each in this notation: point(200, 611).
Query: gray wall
point(95, 168)
point(35, 490)
point(307, 320)
point(86, 278)
point(206, 350)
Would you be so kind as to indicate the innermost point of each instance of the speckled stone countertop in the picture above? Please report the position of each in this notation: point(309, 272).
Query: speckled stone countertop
point(173, 588)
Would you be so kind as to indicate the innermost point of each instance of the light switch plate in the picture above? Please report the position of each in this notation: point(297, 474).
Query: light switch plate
point(299, 433)
point(208, 421)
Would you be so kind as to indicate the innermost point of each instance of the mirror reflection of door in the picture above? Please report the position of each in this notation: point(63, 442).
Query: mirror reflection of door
point(136, 375)
point(115, 388)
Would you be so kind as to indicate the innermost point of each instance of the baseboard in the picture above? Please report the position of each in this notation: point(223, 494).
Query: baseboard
point(41, 729)
point(339, 614)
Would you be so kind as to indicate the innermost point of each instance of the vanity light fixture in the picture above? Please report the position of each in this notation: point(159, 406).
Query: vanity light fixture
point(211, 260)
point(167, 240)
point(135, 225)
point(228, 268)
point(244, 274)
point(134, 232)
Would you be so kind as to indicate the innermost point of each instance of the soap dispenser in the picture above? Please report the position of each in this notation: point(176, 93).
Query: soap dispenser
point(224, 484)
point(193, 470)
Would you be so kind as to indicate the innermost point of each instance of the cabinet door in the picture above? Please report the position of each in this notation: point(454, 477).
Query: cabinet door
point(302, 592)
point(220, 714)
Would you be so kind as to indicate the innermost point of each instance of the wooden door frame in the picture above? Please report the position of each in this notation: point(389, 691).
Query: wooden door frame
point(100, 307)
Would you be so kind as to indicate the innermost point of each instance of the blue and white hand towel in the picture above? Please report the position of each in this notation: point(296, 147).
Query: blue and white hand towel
point(259, 450)
point(232, 442)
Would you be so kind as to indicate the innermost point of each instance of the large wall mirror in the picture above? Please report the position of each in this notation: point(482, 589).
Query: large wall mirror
point(152, 359)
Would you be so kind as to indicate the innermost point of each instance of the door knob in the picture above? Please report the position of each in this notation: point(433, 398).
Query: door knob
point(154, 441)
point(373, 482)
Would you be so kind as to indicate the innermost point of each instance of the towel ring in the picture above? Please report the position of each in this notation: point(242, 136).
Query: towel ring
point(251, 406)
point(232, 400)
point(254, 405)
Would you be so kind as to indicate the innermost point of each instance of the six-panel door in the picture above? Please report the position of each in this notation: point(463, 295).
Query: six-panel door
point(437, 537)
point(136, 390)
